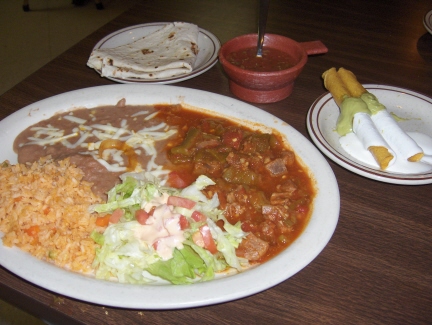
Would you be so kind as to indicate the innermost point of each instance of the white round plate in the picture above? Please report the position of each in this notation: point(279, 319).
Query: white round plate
point(208, 45)
point(427, 21)
point(162, 296)
point(414, 108)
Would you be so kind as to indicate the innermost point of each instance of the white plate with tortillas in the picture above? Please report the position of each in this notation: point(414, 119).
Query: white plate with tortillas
point(412, 111)
point(155, 53)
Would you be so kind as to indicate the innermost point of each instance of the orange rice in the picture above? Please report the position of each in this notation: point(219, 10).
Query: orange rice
point(43, 211)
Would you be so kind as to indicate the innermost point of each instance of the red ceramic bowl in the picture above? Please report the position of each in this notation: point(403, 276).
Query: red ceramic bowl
point(266, 87)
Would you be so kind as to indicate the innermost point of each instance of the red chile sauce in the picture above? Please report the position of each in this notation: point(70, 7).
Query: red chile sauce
point(271, 60)
point(273, 200)
point(238, 159)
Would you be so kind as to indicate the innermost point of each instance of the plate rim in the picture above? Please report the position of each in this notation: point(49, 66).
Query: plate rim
point(320, 228)
point(427, 21)
point(194, 73)
point(344, 160)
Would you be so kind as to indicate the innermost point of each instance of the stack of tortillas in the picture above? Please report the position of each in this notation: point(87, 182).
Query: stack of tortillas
point(168, 52)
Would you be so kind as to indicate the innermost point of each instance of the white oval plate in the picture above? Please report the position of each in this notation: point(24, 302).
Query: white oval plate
point(427, 21)
point(415, 108)
point(208, 45)
point(309, 244)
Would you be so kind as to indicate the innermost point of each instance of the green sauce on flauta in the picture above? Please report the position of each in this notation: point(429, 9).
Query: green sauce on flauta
point(372, 103)
point(348, 108)
point(367, 103)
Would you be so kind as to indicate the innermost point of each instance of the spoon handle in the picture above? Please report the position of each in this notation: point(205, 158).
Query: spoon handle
point(263, 10)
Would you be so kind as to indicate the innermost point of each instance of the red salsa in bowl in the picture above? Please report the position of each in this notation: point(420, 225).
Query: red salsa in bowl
point(271, 60)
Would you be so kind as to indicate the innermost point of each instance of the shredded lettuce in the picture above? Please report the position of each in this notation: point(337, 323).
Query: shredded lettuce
point(124, 255)
point(181, 268)
point(97, 237)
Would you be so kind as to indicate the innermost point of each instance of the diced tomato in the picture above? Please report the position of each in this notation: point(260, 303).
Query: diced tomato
point(178, 179)
point(233, 138)
point(155, 244)
point(198, 216)
point(103, 221)
point(152, 210)
point(184, 223)
point(209, 242)
point(181, 202)
point(116, 215)
point(32, 231)
point(142, 216)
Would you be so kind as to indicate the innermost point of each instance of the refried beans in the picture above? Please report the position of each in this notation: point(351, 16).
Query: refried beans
point(79, 135)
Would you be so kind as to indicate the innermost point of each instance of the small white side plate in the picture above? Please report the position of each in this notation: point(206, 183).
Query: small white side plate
point(427, 21)
point(414, 108)
point(208, 45)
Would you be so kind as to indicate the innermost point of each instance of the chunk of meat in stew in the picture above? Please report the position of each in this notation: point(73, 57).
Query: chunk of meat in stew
point(258, 181)
point(252, 248)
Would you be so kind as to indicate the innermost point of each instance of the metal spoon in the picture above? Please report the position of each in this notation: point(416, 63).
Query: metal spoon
point(263, 10)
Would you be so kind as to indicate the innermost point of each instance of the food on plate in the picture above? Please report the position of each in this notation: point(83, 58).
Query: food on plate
point(165, 53)
point(104, 142)
point(334, 84)
point(192, 194)
point(355, 115)
point(43, 211)
point(165, 232)
point(367, 133)
point(348, 78)
point(390, 141)
point(362, 114)
point(397, 138)
point(382, 119)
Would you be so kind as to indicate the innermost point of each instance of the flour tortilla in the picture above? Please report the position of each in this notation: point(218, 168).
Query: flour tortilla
point(168, 52)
